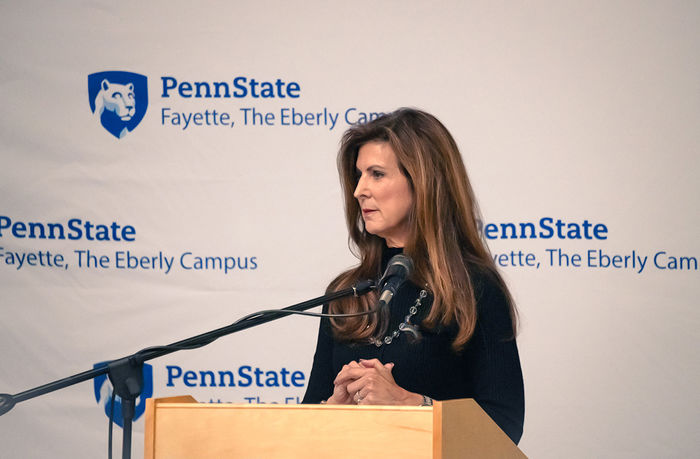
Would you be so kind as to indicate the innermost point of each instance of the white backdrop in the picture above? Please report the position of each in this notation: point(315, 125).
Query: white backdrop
point(574, 112)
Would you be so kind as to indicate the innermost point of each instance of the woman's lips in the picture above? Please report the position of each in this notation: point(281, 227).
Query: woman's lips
point(368, 211)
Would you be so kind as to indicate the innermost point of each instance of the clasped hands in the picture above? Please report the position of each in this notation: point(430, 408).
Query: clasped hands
point(370, 382)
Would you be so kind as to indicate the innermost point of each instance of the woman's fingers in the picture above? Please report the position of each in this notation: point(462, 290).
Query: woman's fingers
point(350, 372)
point(368, 382)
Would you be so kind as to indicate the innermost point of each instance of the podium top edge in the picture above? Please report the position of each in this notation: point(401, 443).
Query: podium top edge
point(260, 406)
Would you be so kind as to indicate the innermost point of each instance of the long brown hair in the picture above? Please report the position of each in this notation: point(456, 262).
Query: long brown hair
point(444, 239)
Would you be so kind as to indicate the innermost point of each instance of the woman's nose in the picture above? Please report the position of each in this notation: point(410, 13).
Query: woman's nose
point(360, 189)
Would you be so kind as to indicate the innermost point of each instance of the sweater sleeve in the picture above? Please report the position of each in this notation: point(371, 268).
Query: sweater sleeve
point(494, 360)
point(320, 385)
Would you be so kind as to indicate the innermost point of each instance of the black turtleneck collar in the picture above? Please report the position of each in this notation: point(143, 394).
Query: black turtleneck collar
point(387, 253)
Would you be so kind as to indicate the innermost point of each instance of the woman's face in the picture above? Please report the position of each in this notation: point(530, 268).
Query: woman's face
point(384, 193)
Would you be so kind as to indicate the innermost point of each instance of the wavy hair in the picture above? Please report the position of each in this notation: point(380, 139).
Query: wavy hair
point(443, 236)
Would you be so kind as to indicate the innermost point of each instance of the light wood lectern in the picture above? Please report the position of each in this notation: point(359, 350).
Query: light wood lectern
point(178, 427)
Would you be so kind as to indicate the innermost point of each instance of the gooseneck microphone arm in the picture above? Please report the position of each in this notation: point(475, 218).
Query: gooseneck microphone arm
point(126, 373)
point(398, 270)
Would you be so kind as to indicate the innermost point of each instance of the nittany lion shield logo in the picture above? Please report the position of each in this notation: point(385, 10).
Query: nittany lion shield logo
point(118, 100)
point(103, 394)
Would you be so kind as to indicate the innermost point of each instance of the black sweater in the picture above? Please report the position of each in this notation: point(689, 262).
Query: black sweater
point(487, 369)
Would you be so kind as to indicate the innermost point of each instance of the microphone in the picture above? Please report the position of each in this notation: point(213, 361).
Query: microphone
point(397, 271)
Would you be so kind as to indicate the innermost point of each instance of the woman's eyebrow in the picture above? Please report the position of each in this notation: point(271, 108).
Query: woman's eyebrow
point(370, 167)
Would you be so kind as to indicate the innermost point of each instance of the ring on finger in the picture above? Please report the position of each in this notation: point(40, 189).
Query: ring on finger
point(357, 397)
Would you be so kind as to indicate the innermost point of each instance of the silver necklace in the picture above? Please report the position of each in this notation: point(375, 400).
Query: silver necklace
point(406, 326)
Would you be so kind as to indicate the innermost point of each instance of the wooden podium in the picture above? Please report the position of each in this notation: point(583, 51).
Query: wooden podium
point(179, 427)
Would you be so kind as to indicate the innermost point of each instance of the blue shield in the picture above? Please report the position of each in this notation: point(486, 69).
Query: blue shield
point(103, 394)
point(118, 100)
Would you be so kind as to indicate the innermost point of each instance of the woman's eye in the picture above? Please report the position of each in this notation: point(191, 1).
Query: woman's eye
point(377, 174)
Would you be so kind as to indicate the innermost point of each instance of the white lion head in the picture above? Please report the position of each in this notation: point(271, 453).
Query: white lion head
point(117, 98)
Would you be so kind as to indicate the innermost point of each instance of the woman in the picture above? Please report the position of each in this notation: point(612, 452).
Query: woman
point(449, 332)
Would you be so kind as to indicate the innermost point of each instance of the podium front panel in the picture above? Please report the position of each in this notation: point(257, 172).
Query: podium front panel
point(199, 430)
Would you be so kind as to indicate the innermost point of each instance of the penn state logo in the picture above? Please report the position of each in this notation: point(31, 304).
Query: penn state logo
point(103, 394)
point(118, 100)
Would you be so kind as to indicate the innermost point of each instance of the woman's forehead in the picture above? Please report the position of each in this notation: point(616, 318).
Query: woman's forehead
point(376, 154)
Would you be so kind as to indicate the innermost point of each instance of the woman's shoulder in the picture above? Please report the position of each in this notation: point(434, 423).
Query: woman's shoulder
point(485, 281)
point(493, 302)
